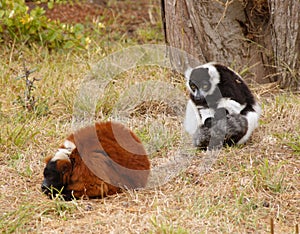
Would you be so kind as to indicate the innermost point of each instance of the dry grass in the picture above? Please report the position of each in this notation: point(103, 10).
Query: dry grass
point(246, 188)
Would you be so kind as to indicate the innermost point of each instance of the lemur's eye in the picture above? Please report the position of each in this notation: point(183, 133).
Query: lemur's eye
point(193, 87)
point(205, 87)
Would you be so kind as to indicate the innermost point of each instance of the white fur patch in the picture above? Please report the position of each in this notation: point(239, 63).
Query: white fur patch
point(231, 106)
point(69, 145)
point(257, 109)
point(192, 118)
point(252, 118)
point(206, 113)
point(187, 73)
point(61, 154)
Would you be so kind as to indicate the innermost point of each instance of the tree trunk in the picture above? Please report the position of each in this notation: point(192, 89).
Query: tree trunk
point(285, 21)
point(258, 38)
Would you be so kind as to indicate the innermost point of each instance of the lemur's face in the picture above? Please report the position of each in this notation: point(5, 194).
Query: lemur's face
point(202, 81)
point(58, 170)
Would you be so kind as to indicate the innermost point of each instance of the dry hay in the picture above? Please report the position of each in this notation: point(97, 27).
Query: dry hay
point(245, 188)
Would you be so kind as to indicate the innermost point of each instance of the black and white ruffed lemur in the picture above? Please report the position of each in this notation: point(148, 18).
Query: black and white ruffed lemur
point(221, 109)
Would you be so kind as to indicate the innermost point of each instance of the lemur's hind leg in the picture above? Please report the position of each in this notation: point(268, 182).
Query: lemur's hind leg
point(201, 137)
point(236, 128)
point(225, 131)
point(228, 131)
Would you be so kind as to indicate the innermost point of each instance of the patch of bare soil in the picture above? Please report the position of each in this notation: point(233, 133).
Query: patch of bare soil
point(126, 15)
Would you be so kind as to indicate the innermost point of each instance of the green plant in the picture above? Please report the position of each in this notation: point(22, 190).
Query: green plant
point(269, 177)
point(290, 139)
point(61, 207)
point(18, 220)
point(18, 135)
point(166, 228)
point(18, 24)
point(12, 221)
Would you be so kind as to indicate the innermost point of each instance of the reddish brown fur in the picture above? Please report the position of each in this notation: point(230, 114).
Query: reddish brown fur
point(78, 177)
point(65, 167)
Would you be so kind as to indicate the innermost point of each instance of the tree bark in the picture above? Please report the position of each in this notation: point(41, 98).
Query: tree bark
point(258, 38)
point(285, 21)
